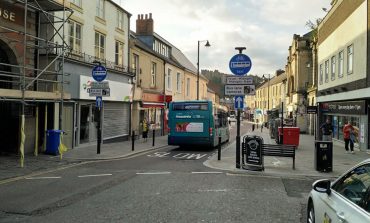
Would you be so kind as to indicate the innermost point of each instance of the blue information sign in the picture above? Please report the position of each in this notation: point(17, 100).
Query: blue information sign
point(240, 64)
point(99, 102)
point(239, 102)
point(99, 73)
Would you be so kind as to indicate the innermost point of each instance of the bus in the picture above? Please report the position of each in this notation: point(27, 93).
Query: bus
point(197, 123)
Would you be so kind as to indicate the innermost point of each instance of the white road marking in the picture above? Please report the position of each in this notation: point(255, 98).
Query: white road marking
point(153, 173)
point(276, 163)
point(207, 172)
point(213, 190)
point(96, 175)
point(41, 178)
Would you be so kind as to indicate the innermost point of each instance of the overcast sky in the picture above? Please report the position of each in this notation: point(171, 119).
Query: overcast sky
point(264, 27)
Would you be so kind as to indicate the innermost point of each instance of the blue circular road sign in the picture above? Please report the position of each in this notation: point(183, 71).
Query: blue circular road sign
point(240, 64)
point(99, 73)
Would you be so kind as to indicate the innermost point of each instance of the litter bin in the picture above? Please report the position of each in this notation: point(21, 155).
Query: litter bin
point(324, 156)
point(291, 135)
point(52, 141)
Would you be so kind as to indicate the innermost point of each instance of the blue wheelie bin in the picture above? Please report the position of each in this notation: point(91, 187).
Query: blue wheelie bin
point(52, 141)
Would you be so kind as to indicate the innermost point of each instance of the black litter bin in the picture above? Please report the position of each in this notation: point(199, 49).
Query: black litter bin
point(324, 156)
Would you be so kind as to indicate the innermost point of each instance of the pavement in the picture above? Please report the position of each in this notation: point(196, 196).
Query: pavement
point(282, 166)
point(10, 169)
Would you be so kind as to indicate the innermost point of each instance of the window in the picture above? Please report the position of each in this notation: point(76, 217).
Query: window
point(76, 2)
point(321, 74)
point(120, 19)
point(350, 59)
point(135, 66)
point(178, 82)
point(187, 86)
point(100, 8)
point(354, 186)
point(153, 74)
point(99, 45)
point(333, 61)
point(75, 36)
point(169, 79)
point(327, 71)
point(119, 53)
point(340, 64)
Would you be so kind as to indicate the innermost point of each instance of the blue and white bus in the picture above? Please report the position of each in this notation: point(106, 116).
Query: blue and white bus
point(197, 123)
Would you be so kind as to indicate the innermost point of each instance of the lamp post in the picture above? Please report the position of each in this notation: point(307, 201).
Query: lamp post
point(207, 45)
point(268, 91)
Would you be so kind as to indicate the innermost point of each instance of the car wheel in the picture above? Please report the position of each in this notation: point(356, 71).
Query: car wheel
point(310, 213)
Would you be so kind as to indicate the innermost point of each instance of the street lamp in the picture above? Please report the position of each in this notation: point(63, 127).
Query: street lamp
point(268, 90)
point(207, 45)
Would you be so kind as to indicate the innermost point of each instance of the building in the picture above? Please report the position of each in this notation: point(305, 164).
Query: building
point(180, 75)
point(28, 99)
point(97, 33)
point(298, 72)
point(343, 68)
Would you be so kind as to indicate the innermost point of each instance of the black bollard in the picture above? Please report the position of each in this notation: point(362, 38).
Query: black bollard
point(133, 140)
point(219, 148)
point(153, 137)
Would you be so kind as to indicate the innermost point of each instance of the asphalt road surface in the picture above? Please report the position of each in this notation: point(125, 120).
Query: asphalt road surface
point(166, 185)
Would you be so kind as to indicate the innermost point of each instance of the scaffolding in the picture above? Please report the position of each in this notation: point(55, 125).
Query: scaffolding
point(43, 34)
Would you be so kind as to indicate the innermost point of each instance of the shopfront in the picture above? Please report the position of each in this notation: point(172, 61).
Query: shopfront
point(340, 112)
point(152, 108)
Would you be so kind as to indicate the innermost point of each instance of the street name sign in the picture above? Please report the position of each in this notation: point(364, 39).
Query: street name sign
point(240, 64)
point(99, 92)
point(99, 73)
point(239, 80)
point(239, 102)
point(240, 90)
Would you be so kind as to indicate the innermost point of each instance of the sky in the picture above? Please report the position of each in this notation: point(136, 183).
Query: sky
point(264, 27)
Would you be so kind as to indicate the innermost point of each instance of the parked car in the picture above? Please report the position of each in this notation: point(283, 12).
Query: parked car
point(346, 199)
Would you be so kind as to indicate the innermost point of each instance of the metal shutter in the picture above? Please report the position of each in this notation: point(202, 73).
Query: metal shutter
point(116, 120)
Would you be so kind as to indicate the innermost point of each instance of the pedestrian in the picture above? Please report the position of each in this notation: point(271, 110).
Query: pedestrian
point(261, 126)
point(327, 130)
point(145, 130)
point(349, 136)
point(253, 126)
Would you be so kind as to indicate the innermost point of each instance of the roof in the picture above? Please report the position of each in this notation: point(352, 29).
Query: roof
point(274, 80)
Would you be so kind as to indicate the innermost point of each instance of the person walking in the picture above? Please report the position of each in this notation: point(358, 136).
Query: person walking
point(327, 130)
point(253, 126)
point(145, 130)
point(261, 126)
point(349, 136)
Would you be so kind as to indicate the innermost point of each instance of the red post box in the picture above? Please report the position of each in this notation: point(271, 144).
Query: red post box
point(291, 135)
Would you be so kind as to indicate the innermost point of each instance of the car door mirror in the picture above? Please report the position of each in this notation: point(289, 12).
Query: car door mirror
point(322, 186)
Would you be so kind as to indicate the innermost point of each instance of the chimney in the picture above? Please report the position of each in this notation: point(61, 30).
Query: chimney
point(144, 26)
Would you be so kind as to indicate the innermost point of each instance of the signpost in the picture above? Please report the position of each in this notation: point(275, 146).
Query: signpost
point(239, 102)
point(239, 80)
point(239, 65)
point(99, 89)
point(240, 90)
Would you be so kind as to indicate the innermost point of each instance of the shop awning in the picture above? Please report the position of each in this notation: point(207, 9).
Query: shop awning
point(153, 105)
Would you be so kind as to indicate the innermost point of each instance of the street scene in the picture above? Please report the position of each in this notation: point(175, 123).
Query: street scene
point(193, 111)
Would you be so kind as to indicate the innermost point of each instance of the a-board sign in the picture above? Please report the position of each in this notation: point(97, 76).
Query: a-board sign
point(253, 152)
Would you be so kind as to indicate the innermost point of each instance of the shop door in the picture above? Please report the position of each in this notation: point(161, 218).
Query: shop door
point(68, 125)
point(84, 123)
point(9, 128)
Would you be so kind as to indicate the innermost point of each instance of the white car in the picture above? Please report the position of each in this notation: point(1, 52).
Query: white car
point(347, 199)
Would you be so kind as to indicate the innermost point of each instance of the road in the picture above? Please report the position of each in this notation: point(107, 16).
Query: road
point(166, 185)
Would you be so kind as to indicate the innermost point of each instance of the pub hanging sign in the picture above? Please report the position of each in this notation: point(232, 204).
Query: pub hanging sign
point(344, 107)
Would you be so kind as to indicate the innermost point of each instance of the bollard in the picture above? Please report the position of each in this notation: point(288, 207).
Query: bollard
point(153, 137)
point(219, 148)
point(133, 141)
